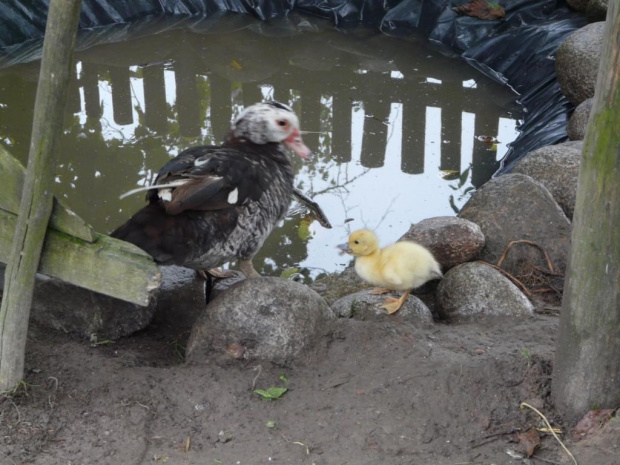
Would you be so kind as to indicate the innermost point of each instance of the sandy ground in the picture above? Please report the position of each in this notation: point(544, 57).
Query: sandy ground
point(381, 392)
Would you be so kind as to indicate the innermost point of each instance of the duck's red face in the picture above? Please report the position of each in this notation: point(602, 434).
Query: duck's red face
point(271, 122)
point(297, 145)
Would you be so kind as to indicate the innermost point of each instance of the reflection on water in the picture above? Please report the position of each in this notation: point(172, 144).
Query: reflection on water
point(393, 124)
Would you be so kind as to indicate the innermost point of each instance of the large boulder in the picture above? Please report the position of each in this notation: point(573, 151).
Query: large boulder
point(176, 304)
point(262, 318)
point(577, 61)
point(557, 168)
point(516, 207)
point(477, 289)
point(578, 122)
point(451, 240)
point(84, 313)
point(365, 306)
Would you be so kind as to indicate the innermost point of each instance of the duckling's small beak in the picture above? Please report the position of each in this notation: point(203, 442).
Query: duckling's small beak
point(344, 248)
point(296, 144)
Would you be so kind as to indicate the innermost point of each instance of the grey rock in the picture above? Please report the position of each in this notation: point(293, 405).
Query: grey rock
point(85, 313)
point(335, 286)
point(177, 303)
point(261, 318)
point(477, 289)
point(578, 122)
point(514, 207)
point(577, 61)
point(180, 299)
point(222, 285)
point(578, 5)
point(557, 168)
point(365, 306)
point(597, 10)
point(451, 240)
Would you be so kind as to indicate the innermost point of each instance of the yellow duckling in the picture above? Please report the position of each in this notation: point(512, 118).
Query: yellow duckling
point(402, 266)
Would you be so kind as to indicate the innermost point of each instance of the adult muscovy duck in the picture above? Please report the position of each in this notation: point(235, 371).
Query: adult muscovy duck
point(215, 204)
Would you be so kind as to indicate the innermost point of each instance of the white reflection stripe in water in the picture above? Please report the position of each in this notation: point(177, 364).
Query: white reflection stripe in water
point(357, 130)
point(393, 147)
point(507, 130)
point(170, 87)
point(432, 139)
point(468, 128)
point(470, 84)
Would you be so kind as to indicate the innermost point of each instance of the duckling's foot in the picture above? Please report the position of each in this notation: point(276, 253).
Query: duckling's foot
point(392, 304)
point(379, 291)
point(247, 268)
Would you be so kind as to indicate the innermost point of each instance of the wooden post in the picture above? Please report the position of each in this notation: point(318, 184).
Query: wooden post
point(37, 199)
point(586, 372)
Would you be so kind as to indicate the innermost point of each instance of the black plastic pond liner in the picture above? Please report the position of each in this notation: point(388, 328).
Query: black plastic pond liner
point(519, 50)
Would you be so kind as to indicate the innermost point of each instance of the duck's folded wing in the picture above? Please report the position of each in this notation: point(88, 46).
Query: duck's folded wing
point(217, 180)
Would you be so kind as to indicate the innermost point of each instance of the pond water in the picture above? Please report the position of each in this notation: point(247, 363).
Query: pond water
point(397, 129)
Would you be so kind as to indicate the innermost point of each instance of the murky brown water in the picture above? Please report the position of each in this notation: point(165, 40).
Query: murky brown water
point(393, 124)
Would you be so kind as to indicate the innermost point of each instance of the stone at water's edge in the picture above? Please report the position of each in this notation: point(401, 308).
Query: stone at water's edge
point(261, 318)
point(177, 303)
point(85, 313)
point(513, 207)
point(597, 10)
point(577, 62)
point(578, 5)
point(557, 168)
point(477, 289)
point(451, 240)
point(335, 286)
point(365, 306)
point(578, 122)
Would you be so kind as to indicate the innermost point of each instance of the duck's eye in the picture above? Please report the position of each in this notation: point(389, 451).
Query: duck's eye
point(282, 123)
point(356, 242)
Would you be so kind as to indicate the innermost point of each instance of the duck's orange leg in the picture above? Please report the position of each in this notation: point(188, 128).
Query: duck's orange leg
point(392, 304)
point(247, 268)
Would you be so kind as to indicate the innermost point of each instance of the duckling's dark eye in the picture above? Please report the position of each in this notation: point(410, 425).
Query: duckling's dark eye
point(357, 242)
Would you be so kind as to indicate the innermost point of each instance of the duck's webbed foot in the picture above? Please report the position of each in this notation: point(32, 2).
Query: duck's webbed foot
point(216, 273)
point(247, 268)
point(392, 304)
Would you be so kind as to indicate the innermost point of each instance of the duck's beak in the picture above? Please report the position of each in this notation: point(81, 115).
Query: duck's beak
point(344, 248)
point(296, 144)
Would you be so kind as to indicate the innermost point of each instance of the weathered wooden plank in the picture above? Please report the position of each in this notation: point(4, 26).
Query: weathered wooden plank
point(37, 200)
point(107, 265)
point(12, 175)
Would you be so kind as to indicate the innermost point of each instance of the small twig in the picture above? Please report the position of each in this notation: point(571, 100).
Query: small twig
point(260, 369)
point(49, 398)
point(524, 241)
point(525, 404)
point(545, 460)
point(12, 461)
point(19, 417)
point(509, 276)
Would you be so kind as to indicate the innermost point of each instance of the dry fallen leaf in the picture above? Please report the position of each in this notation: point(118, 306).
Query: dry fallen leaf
point(481, 9)
point(529, 441)
point(479, 351)
point(592, 422)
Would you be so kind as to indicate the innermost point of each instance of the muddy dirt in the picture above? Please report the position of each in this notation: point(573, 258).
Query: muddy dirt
point(381, 392)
